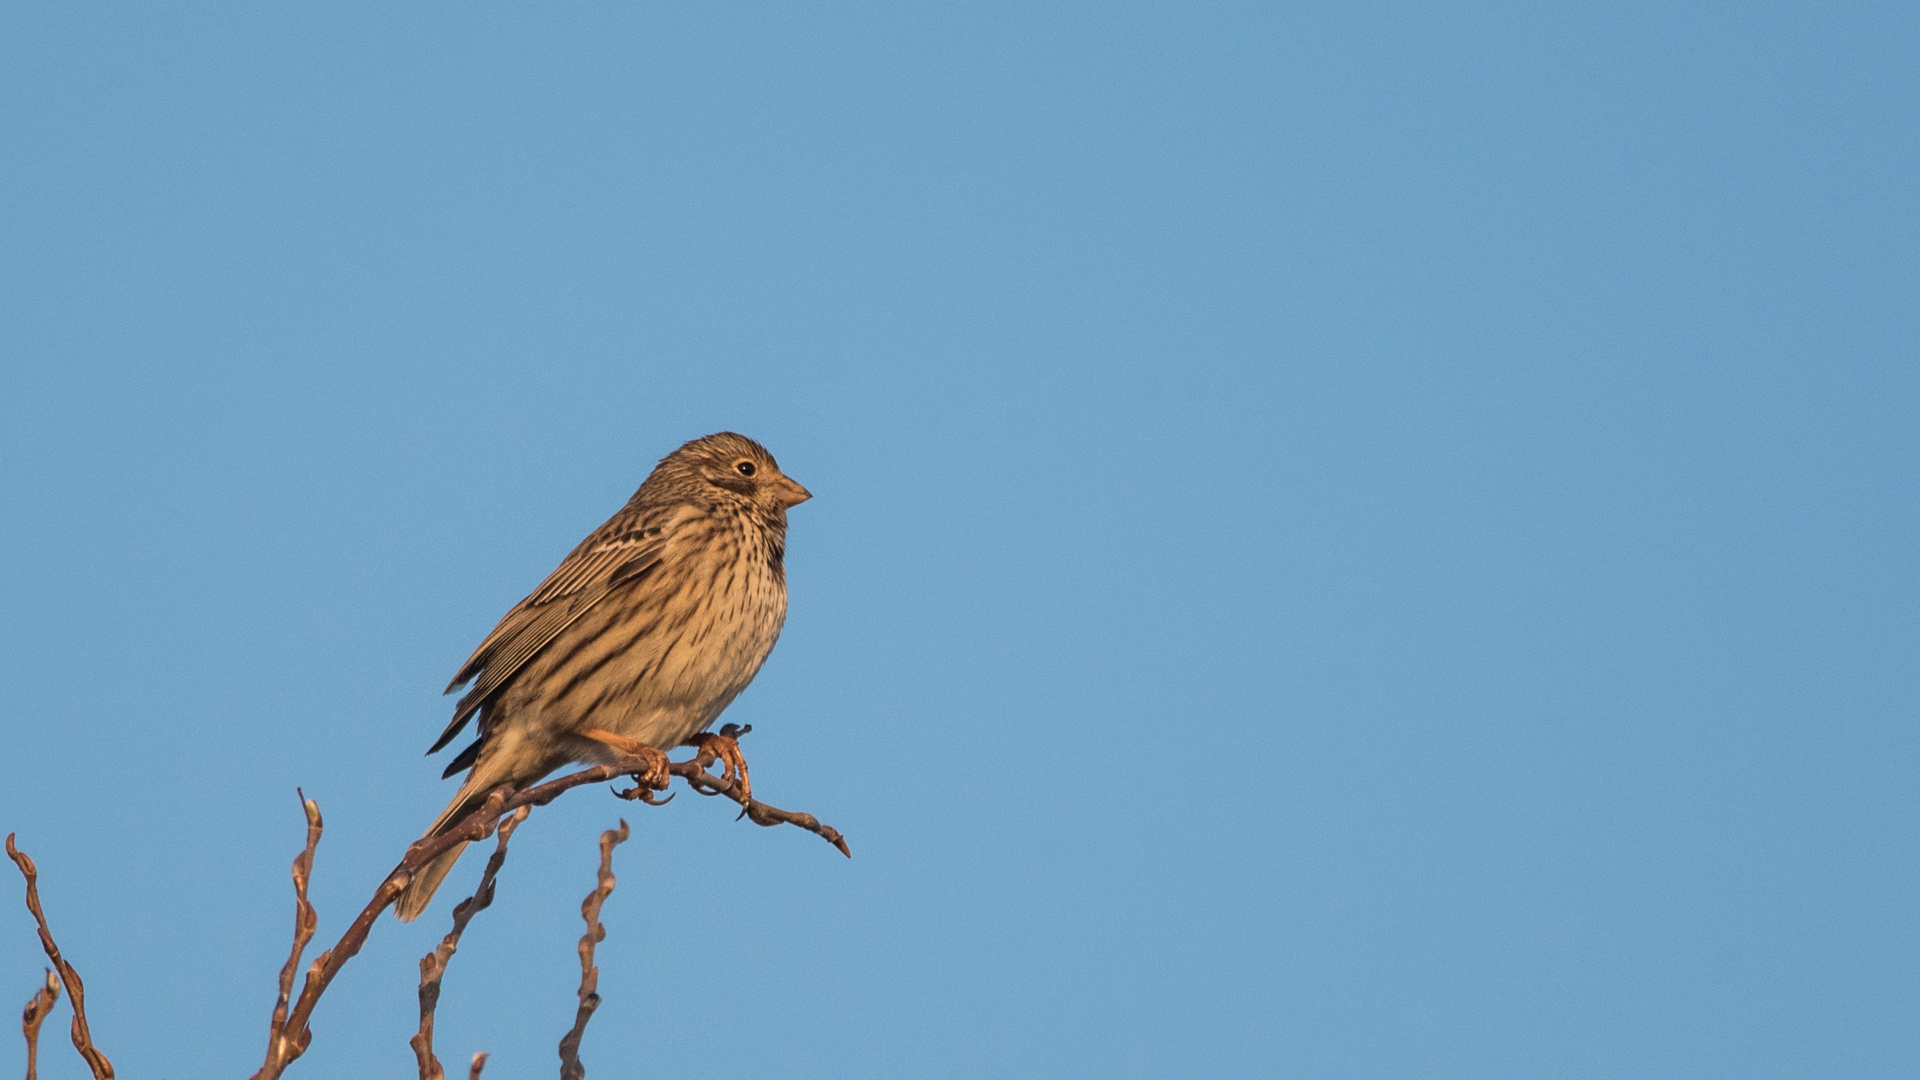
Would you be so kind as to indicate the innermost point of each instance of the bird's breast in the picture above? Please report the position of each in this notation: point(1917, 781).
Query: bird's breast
point(710, 618)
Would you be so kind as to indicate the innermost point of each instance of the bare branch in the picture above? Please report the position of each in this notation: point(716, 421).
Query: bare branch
point(305, 921)
point(97, 1062)
point(479, 824)
point(570, 1067)
point(433, 966)
point(479, 1062)
point(36, 1011)
point(697, 777)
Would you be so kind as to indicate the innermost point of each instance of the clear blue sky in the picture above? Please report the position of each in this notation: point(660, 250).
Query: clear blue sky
point(1357, 540)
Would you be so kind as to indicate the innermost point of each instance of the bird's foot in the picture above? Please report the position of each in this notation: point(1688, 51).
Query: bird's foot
point(653, 772)
point(724, 747)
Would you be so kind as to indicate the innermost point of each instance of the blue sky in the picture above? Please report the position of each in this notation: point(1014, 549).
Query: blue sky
point(1349, 541)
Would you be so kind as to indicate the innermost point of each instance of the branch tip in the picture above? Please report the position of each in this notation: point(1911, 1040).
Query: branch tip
point(97, 1062)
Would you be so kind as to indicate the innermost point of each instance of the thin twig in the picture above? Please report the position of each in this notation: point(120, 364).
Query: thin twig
point(433, 966)
point(695, 773)
point(570, 1067)
point(97, 1062)
point(296, 1036)
point(305, 921)
point(479, 824)
point(37, 1010)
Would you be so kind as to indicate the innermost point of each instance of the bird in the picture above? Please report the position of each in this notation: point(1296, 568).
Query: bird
point(636, 642)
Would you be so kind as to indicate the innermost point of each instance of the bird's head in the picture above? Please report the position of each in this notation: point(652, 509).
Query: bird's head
point(735, 466)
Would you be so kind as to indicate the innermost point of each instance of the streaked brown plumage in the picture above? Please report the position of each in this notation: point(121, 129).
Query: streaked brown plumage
point(648, 630)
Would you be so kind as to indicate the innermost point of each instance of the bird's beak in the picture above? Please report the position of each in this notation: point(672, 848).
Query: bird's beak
point(790, 493)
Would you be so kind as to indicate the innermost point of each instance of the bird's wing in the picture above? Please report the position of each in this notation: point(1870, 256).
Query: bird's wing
point(613, 557)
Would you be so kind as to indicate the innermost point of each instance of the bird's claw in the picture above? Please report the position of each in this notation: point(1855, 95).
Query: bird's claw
point(654, 771)
point(724, 747)
point(643, 794)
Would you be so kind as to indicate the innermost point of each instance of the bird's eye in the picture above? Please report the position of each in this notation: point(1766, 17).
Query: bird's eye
point(746, 468)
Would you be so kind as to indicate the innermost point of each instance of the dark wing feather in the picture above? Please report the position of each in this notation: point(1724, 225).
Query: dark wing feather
point(465, 758)
point(582, 580)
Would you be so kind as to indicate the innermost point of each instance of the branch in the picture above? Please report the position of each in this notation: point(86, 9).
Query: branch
point(479, 824)
point(305, 921)
point(479, 1062)
point(37, 1010)
point(433, 966)
point(82, 1038)
point(699, 779)
point(570, 1067)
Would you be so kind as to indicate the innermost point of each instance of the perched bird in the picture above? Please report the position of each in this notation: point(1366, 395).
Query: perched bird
point(640, 637)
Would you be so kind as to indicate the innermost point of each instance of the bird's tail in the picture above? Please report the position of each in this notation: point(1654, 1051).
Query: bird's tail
point(426, 881)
